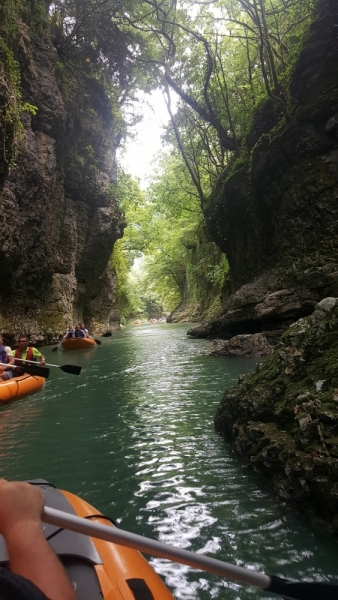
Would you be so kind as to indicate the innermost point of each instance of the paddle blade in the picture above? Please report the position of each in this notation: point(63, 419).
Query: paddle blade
point(36, 370)
point(73, 369)
point(98, 342)
point(55, 349)
point(302, 590)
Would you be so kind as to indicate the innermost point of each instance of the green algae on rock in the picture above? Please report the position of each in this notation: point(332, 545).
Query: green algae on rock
point(283, 418)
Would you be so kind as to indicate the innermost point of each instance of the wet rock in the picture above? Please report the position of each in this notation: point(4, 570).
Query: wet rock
point(284, 424)
point(201, 332)
point(243, 345)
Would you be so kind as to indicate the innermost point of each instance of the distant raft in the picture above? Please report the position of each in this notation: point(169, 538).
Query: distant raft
point(19, 387)
point(77, 343)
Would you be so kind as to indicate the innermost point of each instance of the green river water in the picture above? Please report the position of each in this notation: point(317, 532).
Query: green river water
point(134, 436)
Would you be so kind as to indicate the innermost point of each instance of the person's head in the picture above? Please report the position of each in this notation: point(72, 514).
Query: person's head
point(22, 341)
point(82, 325)
point(77, 327)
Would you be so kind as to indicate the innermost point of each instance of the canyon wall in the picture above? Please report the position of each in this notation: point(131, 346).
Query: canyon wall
point(59, 215)
point(274, 213)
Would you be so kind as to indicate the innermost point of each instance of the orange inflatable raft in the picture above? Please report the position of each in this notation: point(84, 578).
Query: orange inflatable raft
point(77, 343)
point(99, 570)
point(19, 387)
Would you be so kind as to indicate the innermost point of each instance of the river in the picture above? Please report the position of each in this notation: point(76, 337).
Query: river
point(134, 436)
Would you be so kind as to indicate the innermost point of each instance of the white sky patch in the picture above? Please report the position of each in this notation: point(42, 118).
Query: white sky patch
point(138, 156)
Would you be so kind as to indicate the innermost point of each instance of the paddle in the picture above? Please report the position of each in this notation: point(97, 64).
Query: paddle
point(98, 342)
point(73, 369)
point(276, 585)
point(32, 370)
point(56, 347)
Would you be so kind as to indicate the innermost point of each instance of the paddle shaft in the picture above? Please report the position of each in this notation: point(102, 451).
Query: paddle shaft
point(149, 546)
point(34, 362)
point(56, 347)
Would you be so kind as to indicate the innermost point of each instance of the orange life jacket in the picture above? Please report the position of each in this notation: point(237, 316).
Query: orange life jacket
point(18, 354)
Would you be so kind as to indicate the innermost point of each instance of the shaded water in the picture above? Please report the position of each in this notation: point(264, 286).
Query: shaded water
point(134, 436)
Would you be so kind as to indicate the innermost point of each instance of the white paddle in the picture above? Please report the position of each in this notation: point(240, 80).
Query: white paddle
point(276, 585)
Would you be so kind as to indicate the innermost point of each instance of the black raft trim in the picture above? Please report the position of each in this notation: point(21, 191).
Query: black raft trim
point(140, 589)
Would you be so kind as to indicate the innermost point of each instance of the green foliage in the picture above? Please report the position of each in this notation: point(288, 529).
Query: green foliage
point(126, 295)
point(13, 105)
point(10, 73)
point(93, 42)
point(133, 296)
point(165, 227)
point(28, 107)
point(98, 74)
point(223, 59)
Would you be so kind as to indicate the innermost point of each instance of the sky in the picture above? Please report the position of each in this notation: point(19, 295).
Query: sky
point(138, 158)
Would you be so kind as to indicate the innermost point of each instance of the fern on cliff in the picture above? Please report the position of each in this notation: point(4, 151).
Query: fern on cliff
point(12, 105)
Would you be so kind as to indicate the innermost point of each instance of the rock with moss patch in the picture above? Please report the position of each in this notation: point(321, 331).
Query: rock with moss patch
point(283, 418)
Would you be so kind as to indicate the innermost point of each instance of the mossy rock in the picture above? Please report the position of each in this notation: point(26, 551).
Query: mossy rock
point(283, 418)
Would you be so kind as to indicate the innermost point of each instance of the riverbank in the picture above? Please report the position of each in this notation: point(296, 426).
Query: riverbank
point(283, 419)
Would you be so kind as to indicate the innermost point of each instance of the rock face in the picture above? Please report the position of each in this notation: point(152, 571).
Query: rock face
point(275, 216)
point(59, 217)
point(243, 345)
point(283, 419)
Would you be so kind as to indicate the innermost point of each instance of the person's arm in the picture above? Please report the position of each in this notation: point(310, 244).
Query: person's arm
point(30, 555)
point(10, 359)
point(37, 354)
point(7, 367)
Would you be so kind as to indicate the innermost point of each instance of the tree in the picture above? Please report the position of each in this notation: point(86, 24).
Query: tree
point(222, 59)
point(166, 227)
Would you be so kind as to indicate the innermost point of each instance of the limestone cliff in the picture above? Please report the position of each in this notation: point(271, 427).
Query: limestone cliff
point(59, 217)
point(274, 213)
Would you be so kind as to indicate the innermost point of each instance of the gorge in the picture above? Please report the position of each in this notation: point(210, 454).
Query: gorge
point(272, 212)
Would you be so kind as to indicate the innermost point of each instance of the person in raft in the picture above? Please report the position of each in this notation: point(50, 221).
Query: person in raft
point(6, 359)
point(77, 333)
point(26, 352)
point(35, 571)
point(85, 330)
point(69, 332)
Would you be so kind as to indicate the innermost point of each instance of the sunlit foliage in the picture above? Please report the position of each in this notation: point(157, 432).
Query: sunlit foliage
point(165, 227)
point(222, 58)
